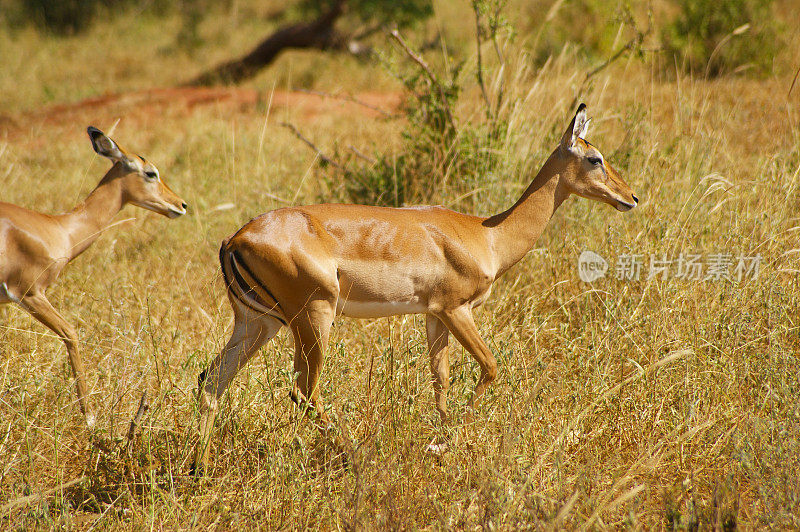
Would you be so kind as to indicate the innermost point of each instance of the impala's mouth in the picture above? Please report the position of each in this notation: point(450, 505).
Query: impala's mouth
point(174, 213)
point(624, 206)
point(170, 211)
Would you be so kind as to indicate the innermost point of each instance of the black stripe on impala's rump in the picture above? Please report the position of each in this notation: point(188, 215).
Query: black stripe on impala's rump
point(241, 284)
point(248, 290)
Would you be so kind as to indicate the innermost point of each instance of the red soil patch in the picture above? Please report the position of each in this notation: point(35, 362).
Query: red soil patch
point(152, 105)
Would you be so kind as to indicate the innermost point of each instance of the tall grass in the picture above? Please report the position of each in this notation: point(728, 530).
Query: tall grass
point(642, 404)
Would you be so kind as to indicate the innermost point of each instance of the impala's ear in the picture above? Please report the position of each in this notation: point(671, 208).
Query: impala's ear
point(104, 146)
point(577, 128)
point(585, 129)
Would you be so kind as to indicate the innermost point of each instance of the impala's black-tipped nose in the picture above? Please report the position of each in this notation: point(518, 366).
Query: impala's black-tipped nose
point(184, 204)
point(634, 199)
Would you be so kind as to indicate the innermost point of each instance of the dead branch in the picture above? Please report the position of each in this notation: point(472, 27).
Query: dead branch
point(428, 72)
point(634, 43)
point(361, 154)
point(349, 98)
point(793, 82)
point(144, 405)
point(479, 73)
point(324, 158)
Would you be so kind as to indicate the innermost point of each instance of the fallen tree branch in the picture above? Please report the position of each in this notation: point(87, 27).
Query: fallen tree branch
point(319, 33)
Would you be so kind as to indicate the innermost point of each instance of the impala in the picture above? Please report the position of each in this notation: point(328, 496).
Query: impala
point(35, 247)
point(301, 266)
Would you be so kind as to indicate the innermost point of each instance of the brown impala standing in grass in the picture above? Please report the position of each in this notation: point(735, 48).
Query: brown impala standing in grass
point(301, 266)
point(35, 247)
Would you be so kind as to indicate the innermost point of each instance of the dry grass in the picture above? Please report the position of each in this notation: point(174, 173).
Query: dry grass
point(646, 404)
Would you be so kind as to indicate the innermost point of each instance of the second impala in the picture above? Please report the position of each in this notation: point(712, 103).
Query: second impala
point(35, 247)
point(301, 266)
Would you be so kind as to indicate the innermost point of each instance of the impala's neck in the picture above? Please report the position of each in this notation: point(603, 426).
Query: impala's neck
point(516, 230)
point(86, 221)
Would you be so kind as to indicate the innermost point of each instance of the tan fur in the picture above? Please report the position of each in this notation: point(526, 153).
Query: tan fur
point(319, 259)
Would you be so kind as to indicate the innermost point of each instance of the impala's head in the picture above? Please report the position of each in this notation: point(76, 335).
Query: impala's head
point(141, 183)
point(588, 174)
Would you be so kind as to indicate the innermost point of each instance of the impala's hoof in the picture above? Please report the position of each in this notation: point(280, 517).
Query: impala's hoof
point(196, 471)
point(437, 449)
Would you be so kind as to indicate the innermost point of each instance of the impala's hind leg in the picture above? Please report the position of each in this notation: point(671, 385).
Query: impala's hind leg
point(438, 337)
point(250, 332)
point(311, 328)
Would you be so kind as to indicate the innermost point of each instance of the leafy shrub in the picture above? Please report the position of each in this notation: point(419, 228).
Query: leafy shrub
point(721, 36)
point(440, 159)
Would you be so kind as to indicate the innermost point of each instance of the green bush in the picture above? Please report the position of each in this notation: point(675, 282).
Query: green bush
point(722, 36)
point(440, 160)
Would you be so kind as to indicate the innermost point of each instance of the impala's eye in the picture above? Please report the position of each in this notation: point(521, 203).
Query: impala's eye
point(151, 175)
point(597, 161)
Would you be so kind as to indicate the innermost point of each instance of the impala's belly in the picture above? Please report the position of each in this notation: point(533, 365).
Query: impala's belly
point(374, 291)
point(378, 309)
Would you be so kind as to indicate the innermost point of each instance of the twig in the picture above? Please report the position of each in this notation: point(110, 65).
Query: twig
point(276, 198)
point(362, 155)
point(349, 98)
point(793, 82)
point(479, 73)
point(144, 405)
point(28, 499)
point(635, 41)
point(324, 158)
point(424, 66)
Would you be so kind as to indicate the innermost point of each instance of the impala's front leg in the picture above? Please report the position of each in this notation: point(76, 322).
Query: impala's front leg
point(41, 309)
point(461, 324)
point(438, 337)
point(247, 337)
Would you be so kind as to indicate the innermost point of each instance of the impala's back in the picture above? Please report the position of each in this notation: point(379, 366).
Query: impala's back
point(373, 261)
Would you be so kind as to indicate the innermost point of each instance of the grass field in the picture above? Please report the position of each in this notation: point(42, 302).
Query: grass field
point(649, 403)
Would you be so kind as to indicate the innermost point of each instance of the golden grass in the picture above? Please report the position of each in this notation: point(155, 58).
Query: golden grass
point(618, 404)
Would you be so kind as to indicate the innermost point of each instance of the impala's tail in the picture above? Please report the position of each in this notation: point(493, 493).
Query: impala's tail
point(244, 286)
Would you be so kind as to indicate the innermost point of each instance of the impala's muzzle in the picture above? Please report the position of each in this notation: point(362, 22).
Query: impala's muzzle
point(624, 206)
point(174, 213)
